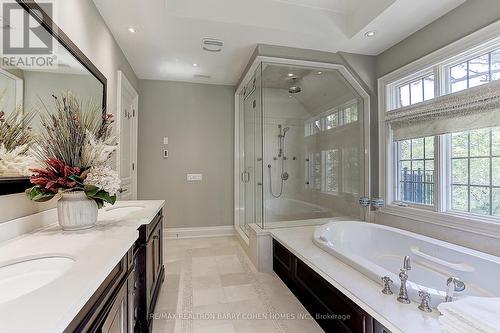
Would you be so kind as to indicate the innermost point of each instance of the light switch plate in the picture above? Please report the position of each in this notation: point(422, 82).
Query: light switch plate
point(165, 140)
point(194, 177)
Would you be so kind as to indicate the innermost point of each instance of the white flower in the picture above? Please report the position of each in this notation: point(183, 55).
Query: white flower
point(104, 178)
point(96, 152)
point(18, 161)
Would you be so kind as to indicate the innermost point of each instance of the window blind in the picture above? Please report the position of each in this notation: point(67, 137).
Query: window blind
point(474, 108)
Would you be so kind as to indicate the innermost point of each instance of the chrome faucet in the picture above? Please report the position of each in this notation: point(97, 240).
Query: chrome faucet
point(453, 285)
point(403, 276)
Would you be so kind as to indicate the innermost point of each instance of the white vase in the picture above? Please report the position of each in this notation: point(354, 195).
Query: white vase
point(76, 212)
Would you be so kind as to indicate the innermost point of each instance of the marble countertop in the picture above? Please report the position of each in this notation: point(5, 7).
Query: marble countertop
point(96, 252)
point(363, 291)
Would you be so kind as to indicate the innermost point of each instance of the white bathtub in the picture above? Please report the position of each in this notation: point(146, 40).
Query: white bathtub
point(285, 209)
point(376, 251)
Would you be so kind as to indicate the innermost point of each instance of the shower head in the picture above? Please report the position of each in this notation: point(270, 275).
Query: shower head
point(286, 129)
point(294, 88)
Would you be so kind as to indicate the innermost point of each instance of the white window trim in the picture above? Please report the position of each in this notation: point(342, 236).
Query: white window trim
point(437, 62)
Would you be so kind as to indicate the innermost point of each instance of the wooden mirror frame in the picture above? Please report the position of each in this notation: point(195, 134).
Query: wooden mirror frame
point(11, 185)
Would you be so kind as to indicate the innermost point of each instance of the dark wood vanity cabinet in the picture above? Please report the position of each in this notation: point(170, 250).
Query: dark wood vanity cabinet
point(126, 299)
point(150, 263)
point(331, 309)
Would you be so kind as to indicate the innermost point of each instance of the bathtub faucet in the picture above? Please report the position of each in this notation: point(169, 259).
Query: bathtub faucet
point(403, 276)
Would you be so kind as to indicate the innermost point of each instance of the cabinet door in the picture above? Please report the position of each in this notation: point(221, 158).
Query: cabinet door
point(116, 320)
point(154, 260)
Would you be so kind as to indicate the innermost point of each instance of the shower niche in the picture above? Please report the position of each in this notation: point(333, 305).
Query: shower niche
point(300, 145)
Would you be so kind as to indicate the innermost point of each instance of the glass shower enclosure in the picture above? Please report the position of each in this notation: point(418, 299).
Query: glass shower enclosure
point(301, 147)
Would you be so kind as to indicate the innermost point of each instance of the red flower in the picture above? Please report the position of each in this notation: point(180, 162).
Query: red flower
point(55, 176)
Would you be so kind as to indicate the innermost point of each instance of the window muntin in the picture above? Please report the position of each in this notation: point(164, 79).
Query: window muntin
point(350, 114)
point(474, 71)
point(415, 91)
point(416, 179)
point(335, 117)
point(475, 171)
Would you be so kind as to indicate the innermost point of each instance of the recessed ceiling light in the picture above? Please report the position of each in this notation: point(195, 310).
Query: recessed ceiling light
point(132, 30)
point(290, 74)
point(370, 33)
point(320, 72)
point(195, 65)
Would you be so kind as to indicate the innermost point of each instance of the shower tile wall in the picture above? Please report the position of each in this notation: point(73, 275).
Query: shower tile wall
point(300, 201)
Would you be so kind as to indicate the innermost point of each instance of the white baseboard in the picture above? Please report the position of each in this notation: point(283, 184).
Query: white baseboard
point(217, 231)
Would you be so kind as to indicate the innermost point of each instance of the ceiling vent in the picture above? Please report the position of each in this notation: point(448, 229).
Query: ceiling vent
point(212, 45)
point(202, 76)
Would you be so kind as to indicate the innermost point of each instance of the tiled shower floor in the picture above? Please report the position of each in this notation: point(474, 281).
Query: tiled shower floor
point(211, 286)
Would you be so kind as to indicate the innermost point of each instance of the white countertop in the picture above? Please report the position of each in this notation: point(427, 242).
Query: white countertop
point(96, 252)
point(361, 290)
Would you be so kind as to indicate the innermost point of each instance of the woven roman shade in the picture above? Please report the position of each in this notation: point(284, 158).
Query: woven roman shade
point(474, 108)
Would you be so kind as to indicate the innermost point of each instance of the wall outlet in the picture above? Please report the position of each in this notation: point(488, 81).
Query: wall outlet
point(165, 153)
point(194, 177)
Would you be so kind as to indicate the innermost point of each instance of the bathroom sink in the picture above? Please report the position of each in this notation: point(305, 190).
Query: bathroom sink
point(22, 276)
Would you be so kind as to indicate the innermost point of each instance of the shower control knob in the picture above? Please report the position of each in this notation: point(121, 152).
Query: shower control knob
point(284, 158)
point(294, 158)
point(275, 158)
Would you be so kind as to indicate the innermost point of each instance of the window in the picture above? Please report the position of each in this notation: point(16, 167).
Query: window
point(331, 169)
point(474, 72)
point(416, 91)
point(455, 174)
point(314, 177)
point(416, 171)
point(475, 171)
point(350, 114)
point(350, 170)
point(335, 117)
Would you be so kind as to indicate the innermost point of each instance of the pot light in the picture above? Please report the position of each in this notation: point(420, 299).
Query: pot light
point(370, 33)
point(195, 65)
point(290, 74)
point(320, 72)
point(132, 30)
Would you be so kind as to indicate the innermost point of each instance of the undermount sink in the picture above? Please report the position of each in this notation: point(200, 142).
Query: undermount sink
point(22, 276)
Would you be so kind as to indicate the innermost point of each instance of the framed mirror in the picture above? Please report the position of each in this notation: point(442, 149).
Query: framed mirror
point(38, 61)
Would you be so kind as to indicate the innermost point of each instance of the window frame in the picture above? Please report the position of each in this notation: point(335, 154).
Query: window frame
point(438, 63)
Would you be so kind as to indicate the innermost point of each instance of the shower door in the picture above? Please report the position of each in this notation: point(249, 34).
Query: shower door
point(251, 155)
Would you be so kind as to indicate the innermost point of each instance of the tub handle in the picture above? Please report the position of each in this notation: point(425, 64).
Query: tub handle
point(462, 267)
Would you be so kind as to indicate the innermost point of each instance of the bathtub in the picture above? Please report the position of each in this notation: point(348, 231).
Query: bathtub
point(284, 209)
point(377, 251)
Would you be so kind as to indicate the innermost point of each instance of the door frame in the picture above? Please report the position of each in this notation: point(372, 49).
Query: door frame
point(124, 84)
point(364, 213)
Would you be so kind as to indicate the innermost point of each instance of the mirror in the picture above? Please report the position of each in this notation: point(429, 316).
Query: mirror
point(32, 70)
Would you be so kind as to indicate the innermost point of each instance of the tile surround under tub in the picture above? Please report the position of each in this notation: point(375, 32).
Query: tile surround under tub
point(213, 280)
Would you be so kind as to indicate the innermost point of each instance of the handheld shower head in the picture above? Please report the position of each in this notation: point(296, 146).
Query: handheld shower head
point(286, 129)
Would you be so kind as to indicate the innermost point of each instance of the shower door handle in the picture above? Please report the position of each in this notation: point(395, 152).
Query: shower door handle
point(245, 176)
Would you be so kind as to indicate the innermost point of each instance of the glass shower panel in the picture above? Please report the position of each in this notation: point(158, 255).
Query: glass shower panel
point(251, 153)
point(313, 145)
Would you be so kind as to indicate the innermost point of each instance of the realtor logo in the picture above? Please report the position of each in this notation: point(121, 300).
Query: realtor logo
point(25, 42)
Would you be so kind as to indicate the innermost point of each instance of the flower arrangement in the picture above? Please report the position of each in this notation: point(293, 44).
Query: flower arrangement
point(73, 149)
point(16, 139)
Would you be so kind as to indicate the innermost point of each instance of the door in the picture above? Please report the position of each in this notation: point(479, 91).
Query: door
point(251, 145)
point(128, 103)
point(116, 320)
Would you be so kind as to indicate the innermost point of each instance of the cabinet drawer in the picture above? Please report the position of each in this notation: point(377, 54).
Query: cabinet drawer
point(333, 301)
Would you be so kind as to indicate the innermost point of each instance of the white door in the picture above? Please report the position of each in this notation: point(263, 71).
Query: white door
point(127, 105)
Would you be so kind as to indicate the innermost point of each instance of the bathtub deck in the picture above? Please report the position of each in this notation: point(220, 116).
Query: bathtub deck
point(360, 289)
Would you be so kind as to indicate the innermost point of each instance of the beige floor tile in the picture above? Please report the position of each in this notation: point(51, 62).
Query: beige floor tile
point(222, 328)
point(255, 326)
point(206, 281)
point(208, 296)
point(234, 279)
point(239, 293)
point(169, 293)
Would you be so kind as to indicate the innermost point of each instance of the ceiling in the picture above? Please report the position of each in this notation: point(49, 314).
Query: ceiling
point(320, 89)
point(168, 36)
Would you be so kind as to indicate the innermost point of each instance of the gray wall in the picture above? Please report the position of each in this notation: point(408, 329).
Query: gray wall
point(460, 22)
point(472, 15)
point(198, 119)
point(81, 21)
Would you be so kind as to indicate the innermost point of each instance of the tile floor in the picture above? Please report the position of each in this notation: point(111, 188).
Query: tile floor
point(211, 286)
